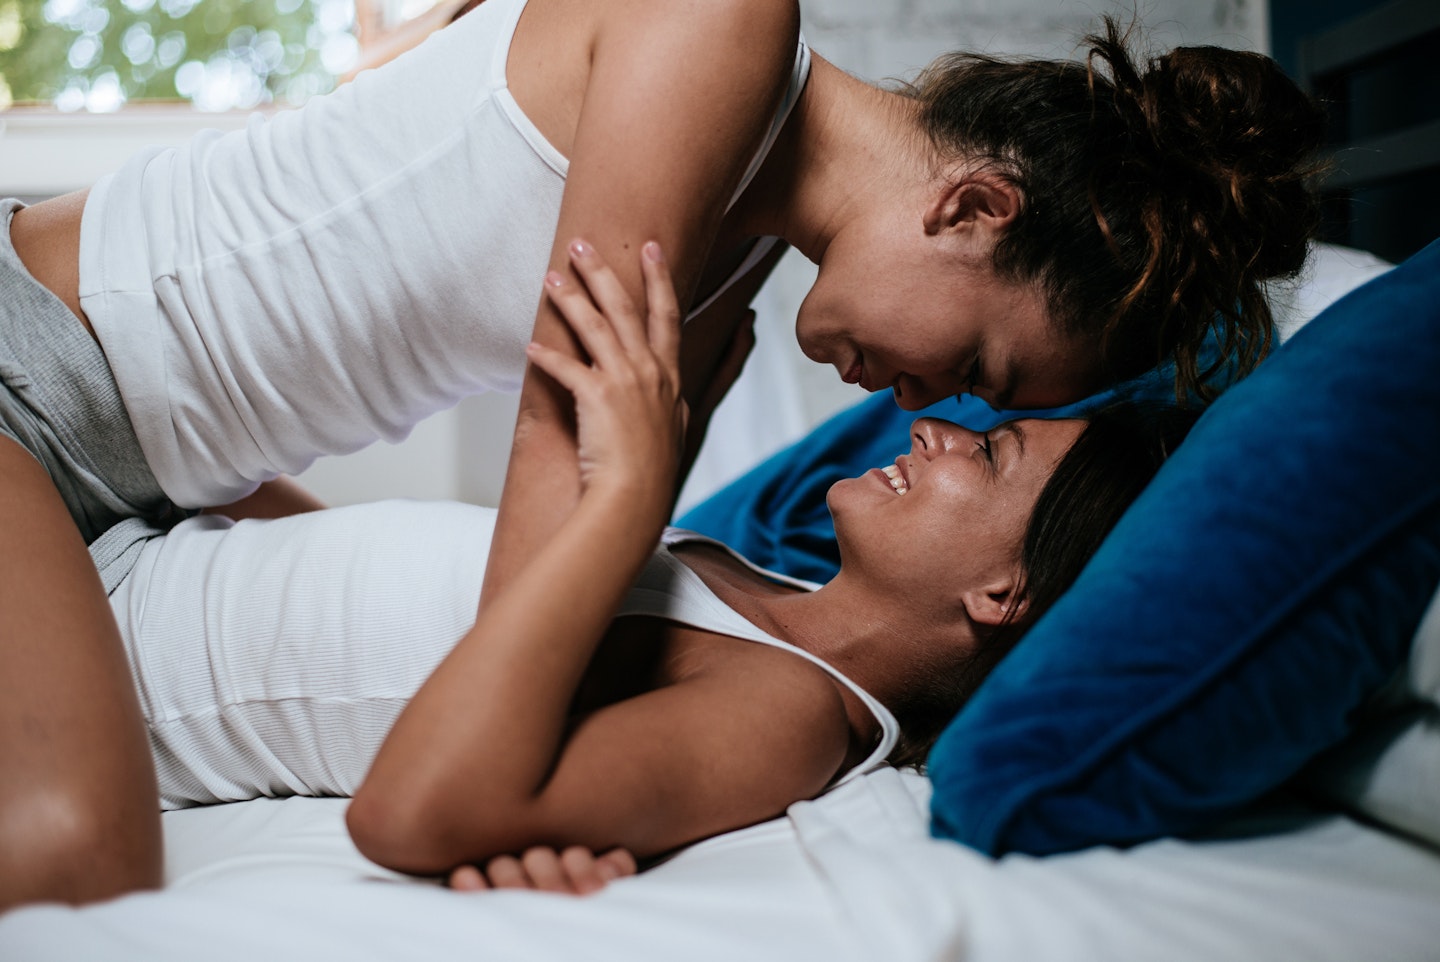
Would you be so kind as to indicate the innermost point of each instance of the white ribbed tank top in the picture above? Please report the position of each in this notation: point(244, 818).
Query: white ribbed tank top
point(272, 657)
point(332, 275)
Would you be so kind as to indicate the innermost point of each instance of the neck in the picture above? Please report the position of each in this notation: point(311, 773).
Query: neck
point(846, 146)
point(862, 634)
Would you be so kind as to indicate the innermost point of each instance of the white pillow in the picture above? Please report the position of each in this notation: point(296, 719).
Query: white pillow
point(1330, 272)
point(1389, 768)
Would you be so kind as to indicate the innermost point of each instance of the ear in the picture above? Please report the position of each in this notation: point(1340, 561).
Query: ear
point(991, 604)
point(979, 199)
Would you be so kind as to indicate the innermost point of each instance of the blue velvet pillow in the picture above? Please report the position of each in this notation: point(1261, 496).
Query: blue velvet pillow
point(1267, 581)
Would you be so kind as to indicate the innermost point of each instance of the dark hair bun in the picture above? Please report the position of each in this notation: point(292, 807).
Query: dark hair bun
point(1232, 146)
point(1233, 120)
point(1159, 194)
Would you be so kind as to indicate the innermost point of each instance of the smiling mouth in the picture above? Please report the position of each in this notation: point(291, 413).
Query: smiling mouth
point(896, 479)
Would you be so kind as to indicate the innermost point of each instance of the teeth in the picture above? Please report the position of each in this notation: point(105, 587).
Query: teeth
point(897, 481)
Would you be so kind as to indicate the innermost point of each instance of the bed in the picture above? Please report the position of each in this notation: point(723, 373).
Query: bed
point(853, 875)
point(1339, 864)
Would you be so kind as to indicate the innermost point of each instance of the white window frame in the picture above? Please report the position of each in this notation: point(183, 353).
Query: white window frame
point(44, 152)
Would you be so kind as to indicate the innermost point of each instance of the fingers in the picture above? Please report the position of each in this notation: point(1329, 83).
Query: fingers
point(566, 370)
point(602, 315)
point(617, 863)
point(608, 294)
point(574, 871)
point(543, 867)
point(595, 330)
point(588, 872)
point(662, 307)
point(506, 872)
point(468, 878)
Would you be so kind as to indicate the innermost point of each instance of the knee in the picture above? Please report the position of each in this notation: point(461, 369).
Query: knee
point(67, 847)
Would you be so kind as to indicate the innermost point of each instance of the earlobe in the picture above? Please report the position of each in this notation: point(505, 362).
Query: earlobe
point(991, 605)
point(978, 199)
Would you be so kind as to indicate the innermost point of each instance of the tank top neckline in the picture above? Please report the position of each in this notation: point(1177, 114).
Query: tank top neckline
point(558, 162)
point(733, 623)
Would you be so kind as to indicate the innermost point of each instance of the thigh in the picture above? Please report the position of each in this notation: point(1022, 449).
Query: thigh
point(78, 816)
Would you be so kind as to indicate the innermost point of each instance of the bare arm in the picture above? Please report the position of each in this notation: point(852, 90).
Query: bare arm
point(278, 498)
point(486, 759)
point(677, 98)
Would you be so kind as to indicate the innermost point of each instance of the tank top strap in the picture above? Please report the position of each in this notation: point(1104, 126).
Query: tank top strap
point(799, 74)
point(669, 588)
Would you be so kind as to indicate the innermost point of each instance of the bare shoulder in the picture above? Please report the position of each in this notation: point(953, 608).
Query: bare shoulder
point(762, 21)
point(785, 706)
point(697, 57)
point(764, 24)
point(751, 43)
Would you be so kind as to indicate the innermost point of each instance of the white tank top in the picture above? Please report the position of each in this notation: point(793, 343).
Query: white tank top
point(271, 658)
point(330, 276)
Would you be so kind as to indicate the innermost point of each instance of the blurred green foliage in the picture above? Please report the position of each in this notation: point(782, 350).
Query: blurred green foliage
point(220, 54)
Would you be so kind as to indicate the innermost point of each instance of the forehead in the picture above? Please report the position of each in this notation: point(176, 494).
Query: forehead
point(1029, 361)
point(1043, 441)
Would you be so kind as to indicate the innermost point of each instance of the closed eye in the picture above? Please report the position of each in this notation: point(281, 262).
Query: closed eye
point(972, 378)
point(986, 449)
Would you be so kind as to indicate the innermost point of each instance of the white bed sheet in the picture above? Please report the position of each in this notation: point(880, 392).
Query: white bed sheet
point(850, 876)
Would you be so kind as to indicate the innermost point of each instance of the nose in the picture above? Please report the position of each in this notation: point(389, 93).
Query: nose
point(931, 437)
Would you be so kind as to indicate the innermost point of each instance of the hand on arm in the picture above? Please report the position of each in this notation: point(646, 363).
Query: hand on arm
point(677, 98)
point(628, 411)
point(487, 759)
point(488, 725)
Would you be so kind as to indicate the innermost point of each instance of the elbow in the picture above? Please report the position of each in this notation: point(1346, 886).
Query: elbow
point(429, 833)
point(396, 830)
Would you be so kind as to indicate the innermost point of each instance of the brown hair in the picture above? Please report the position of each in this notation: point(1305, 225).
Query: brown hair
point(1102, 473)
point(1155, 201)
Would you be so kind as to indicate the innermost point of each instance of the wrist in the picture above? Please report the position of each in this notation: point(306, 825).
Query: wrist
point(634, 500)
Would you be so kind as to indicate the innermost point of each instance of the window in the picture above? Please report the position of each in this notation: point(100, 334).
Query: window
point(85, 83)
point(98, 55)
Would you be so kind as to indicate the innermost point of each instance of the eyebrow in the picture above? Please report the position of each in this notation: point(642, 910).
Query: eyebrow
point(1004, 395)
point(1018, 433)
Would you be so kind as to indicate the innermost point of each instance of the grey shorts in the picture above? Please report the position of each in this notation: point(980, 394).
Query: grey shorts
point(58, 399)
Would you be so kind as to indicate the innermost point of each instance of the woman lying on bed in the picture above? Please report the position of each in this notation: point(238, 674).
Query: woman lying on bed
point(616, 693)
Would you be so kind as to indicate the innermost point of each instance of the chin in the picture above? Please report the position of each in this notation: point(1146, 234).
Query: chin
point(839, 495)
point(909, 403)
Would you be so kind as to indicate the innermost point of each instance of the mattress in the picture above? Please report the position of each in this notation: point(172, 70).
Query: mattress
point(853, 875)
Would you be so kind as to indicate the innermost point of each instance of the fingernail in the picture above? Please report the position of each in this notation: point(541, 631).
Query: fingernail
point(553, 279)
point(651, 250)
point(579, 249)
